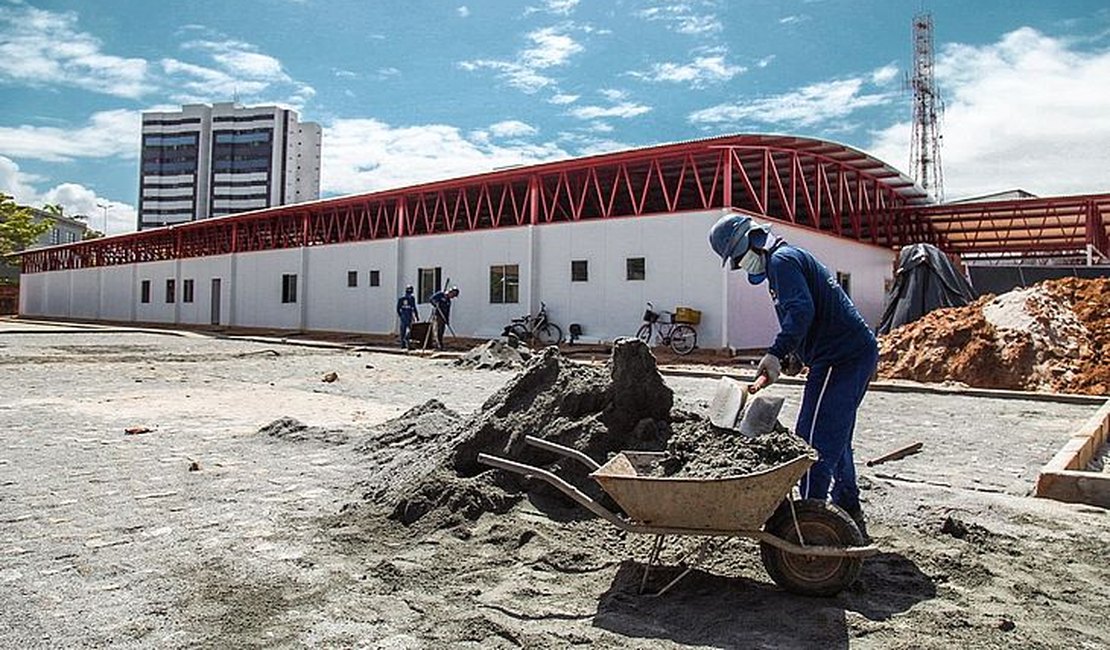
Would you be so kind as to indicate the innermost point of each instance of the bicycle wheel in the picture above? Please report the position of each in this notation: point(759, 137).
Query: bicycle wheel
point(519, 332)
point(644, 333)
point(684, 339)
point(549, 334)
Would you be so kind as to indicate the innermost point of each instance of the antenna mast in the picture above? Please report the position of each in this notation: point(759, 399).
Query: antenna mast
point(927, 108)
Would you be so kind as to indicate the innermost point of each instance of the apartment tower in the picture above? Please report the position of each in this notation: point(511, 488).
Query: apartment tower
point(211, 161)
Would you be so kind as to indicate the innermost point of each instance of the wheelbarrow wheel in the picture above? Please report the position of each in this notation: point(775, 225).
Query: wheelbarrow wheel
point(821, 524)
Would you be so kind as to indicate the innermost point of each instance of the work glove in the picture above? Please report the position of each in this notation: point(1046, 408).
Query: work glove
point(770, 366)
point(792, 365)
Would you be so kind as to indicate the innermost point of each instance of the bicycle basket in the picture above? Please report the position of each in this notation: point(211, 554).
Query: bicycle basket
point(650, 316)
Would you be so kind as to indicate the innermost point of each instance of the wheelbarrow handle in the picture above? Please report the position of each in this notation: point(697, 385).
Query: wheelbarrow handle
point(562, 451)
point(556, 482)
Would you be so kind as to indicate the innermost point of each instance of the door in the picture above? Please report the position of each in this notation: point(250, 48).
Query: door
point(215, 301)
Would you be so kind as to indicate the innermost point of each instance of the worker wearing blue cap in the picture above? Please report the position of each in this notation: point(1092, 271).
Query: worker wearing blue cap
point(819, 324)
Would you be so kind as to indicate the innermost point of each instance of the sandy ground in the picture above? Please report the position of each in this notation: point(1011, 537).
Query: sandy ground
point(108, 539)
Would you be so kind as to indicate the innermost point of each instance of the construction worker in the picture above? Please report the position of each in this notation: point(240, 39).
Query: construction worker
point(441, 312)
point(406, 312)
point(818, 323)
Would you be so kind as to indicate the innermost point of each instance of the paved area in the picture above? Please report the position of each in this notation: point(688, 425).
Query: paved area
point(203, 532)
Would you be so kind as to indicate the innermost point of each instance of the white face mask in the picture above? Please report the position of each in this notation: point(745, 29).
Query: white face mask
point(753, 262)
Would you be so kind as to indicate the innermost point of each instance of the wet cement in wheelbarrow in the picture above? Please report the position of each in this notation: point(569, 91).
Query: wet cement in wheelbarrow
point(425, 467)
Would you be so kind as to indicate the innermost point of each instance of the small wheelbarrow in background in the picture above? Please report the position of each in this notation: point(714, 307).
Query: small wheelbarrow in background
point(808, 547)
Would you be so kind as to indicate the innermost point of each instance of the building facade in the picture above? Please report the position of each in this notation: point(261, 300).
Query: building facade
point(210, 161)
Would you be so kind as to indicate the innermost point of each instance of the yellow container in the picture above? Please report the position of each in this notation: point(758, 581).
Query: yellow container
point(687, 315)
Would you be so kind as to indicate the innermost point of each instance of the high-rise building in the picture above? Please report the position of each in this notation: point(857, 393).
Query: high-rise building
point(210, 161)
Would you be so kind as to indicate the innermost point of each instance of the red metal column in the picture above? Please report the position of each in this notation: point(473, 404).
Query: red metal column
point(727, 188)
point(534, 199)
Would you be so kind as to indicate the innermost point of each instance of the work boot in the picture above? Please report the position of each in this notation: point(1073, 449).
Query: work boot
point(857, 516)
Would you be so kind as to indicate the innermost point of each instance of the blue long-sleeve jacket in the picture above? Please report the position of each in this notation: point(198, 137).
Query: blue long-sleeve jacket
point(817, 320)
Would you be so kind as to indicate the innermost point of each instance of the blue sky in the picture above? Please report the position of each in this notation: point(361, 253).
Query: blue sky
point(412, 90)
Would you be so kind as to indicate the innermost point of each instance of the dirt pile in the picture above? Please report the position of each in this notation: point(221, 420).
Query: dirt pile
point(494, 355)
point(292, 429)
point(697, 449)
point(425, 461)
point(1053, 336)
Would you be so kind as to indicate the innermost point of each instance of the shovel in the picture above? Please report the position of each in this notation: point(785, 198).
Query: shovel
point(729, 402)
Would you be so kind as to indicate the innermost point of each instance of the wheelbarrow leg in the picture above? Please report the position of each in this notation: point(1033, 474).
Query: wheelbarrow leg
point(653, 560)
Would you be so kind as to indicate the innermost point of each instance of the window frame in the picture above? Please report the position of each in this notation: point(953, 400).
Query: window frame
point(424, 292)
point(630, 272)
point(171, 291)
point(580, 265)
point(502, 289)
point(288, 288)
point(144, 292)
point(187, 290)
point(375, 278)
point(352, 279)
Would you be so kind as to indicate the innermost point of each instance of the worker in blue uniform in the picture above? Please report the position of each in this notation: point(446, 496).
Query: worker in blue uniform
point(406, 312)
point(441, 312)
point(819, 324)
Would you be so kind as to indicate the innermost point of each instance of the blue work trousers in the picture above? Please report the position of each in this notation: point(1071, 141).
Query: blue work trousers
point(406, 327)
point(828, 415)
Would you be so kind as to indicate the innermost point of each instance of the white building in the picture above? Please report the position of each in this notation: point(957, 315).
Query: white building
point(209, 161)
point(594, 238)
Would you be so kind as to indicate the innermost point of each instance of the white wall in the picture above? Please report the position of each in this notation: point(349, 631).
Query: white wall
point(681, 270)
point(332, 305)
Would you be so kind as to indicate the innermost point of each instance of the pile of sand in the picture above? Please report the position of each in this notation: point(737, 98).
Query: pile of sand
point(1053, 336)
point(424, 463)
point(494, 354)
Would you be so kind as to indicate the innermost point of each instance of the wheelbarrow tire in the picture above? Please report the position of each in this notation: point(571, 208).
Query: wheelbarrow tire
point(822, 524)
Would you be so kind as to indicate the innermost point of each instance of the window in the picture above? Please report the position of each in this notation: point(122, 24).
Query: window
point(845, 282)
point(352, 278)
point(579, 271)
point(289, 288)
point(634, 268)
point(504, 283)
point(375, 278)
point(171, 288)
point(144, 291)
point(55, 236)
point(427, 283)
point(187, 291)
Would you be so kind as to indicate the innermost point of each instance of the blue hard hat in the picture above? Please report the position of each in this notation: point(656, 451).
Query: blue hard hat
point(729, 237)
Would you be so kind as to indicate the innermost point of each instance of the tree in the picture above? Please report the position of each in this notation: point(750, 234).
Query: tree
point(18, 228)
point(54, 209)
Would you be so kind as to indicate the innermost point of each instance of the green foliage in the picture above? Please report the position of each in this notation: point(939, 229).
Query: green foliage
point(54, 209)
point(18, 228)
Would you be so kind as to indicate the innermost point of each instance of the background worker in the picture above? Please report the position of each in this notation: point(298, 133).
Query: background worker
point(819, 323)
point(406, 312)
point(441, 312)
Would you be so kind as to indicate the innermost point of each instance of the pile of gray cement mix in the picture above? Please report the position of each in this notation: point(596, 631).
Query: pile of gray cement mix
point(292, 429)
point(494, 354)
point(697, 449)
point(425, 465)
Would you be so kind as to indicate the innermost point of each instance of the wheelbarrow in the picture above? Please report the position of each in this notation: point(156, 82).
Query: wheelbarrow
point(808, 547)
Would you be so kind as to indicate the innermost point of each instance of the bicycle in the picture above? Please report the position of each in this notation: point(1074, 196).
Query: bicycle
point(661, 326)
point(534, 329)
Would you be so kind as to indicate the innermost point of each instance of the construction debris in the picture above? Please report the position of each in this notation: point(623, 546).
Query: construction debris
point(897, 454)
point(134, 431)
point(1053, 336)
point(494, 354)
point(330, 377)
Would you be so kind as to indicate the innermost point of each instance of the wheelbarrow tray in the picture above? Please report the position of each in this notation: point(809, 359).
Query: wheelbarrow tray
point(740, 502)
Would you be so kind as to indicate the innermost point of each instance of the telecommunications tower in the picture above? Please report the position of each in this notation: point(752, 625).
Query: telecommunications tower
point(927, 108)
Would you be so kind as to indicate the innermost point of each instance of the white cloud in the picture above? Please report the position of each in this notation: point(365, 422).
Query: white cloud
point(807, 106)
point(511, 129)
point(622, 110)
point(463, 11)
point(75, 199)
point(550, 47)
point(562, 98)
point(682, 18)
point(107, 134)
point(701, 72)
point(793, 20)
point(41, 47)
point(387, 73)
point(613, 94)
point(238, 69)
point(884, 75)
point(363, 155)
point(1030, 111)
point(765, 61)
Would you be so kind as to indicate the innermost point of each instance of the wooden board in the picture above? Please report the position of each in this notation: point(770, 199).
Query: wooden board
point(1064, 478)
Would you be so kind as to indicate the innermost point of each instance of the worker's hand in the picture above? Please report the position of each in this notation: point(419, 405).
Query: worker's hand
point(793, 365)
point(770, 367)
